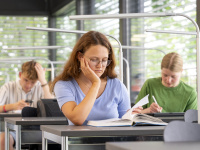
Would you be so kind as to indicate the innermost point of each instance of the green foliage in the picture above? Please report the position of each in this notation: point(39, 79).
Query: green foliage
point(185, 45)
point(13, 33)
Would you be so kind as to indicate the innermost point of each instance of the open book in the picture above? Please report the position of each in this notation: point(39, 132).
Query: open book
point(137, 119)
point(129, 119)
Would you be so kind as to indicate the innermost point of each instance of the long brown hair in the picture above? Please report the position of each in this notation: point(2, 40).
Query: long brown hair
point(71, 68)
point(172, 61)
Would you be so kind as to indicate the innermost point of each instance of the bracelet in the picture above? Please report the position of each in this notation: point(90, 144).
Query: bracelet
point(44, 84)
point(4, 109)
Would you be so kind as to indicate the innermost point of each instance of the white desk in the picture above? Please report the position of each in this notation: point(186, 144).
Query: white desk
point(17, 123)
point(61, 133)
point(152, 145)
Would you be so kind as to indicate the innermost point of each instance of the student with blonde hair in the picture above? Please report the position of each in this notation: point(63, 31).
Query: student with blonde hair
point(171, 94)
point(88, 89)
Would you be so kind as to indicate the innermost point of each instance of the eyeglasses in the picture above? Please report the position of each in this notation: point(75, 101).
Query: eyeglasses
point(95, 62)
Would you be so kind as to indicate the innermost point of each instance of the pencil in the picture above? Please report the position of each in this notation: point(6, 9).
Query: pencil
point(154, 100)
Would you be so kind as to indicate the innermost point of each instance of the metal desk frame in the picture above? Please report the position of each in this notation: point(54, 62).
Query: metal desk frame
point(17, 123)
point(60, 134)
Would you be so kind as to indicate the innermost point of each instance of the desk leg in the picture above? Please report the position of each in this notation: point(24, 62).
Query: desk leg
point(18, 137)
point(6, 137)
point(44, 142)
point(64, 143)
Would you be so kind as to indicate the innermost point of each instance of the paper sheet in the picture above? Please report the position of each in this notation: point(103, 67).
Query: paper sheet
point(142, 102)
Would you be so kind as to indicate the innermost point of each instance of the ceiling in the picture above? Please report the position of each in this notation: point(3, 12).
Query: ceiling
point(31, 7)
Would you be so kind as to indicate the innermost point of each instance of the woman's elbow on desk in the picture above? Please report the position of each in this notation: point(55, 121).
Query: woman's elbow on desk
point(76, 120)
point(75, 117)
point(78, 123)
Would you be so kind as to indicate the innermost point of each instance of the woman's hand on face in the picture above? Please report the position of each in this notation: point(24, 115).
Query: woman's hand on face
point(137, 110)
point(155, 108)
point(88, 72)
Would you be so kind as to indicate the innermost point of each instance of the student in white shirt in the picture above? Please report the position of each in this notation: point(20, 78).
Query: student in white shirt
point(31, 86)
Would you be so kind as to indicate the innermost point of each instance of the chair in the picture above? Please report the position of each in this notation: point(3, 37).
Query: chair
point(191, 115)
point(45, 108)
point(180, 131)
point(48, 108)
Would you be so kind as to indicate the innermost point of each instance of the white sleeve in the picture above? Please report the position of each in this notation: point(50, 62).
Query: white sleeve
point(3, 95)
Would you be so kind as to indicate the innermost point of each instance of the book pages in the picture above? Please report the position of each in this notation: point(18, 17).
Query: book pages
point(142, 102)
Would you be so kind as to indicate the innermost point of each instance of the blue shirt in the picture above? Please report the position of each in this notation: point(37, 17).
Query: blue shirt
point(112, 103)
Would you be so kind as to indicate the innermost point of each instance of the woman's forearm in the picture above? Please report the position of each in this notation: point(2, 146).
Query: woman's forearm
point(81, 111)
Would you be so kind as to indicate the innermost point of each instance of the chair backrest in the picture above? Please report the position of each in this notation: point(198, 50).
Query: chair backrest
point(191, 115)
point(29, 112)
point(48, 108)
point(180, 131)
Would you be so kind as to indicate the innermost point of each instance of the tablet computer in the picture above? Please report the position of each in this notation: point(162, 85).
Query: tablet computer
point(171, 114)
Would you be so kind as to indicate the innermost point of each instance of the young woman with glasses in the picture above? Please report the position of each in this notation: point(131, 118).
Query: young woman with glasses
point(88, 88)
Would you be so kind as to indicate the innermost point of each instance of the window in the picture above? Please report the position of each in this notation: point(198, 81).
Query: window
point(13, 33)
point(146, 62)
